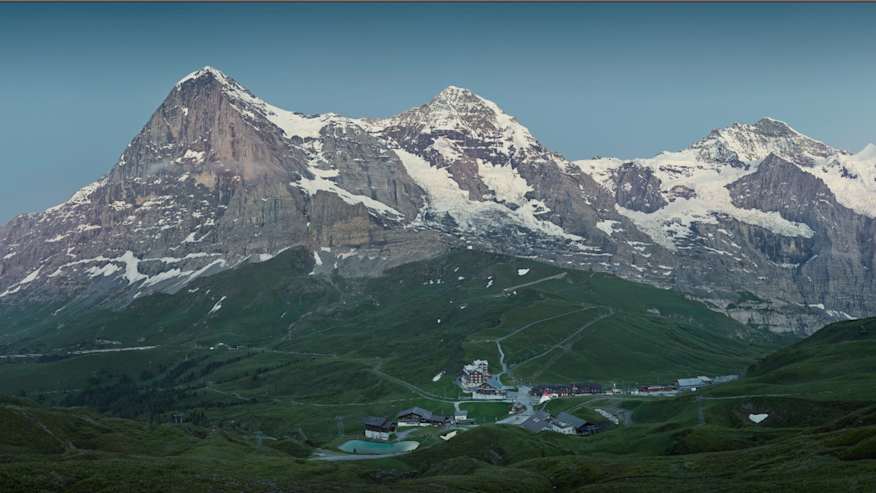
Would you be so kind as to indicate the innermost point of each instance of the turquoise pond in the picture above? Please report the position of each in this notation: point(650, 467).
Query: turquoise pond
point(377, 448)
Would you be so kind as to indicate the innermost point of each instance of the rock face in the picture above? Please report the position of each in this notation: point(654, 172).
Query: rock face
point(768, 225)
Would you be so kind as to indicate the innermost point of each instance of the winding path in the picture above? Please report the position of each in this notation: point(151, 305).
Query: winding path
point(537, 281)
point(566, 344)
point(518, 330)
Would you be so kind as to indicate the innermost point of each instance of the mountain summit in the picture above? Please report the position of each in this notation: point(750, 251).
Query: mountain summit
point(748, 143)
point(219, 177)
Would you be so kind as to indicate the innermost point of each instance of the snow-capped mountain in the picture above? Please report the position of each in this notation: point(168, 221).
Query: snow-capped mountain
point(771, 226)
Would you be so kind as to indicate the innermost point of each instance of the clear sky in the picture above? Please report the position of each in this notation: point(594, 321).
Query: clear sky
point(77, 82)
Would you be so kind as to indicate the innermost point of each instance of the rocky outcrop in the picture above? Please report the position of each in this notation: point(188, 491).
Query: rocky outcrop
point(638, 189)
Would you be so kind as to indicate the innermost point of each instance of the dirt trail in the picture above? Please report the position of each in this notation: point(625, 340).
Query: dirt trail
point(519, 330)
point(533, 283)
point(566, 344)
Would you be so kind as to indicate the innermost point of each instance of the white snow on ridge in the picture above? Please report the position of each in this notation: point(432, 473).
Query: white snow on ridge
point(504, 181)
point(446, 148)
point(82, 196)
point(319, 184)
point(712, 199)
point(445, 196)
point(33, 276)
point(851, 178)
point(292, 124)
point(522, 272)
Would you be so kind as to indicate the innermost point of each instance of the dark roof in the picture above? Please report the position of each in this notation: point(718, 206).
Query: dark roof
point(573, 421)
point(419, 411)
point(537, 422)
point(376, 421)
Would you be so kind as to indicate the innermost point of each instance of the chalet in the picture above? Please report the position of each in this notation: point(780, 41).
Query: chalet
point(538, 422)
point(417, 416)
point(475, 374)
point(487, 392)
point(568, 424)
point(460, 416)
point(378, 428)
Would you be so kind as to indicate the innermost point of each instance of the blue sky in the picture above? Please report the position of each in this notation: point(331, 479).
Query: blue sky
point(78, 81)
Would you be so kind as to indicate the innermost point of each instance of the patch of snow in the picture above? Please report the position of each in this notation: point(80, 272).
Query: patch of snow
point(217, 306)
point(607, 226)
point(319, 184)
point(82, 196)
point(445, 196)
point(712, 200)
point(33, 276)
point(166, 275)
point(758, 418)
point(447, 149)
point(851, 178)
point(132, 274)
point(196, 157)
point(522, 272)
point(504, 181)
point(107, 270)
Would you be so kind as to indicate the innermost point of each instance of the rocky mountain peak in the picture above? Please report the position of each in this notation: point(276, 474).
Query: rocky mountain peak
point(746, 144)
point(460, 115)
point(206, 73)
point(218, 177)
point(868, 153)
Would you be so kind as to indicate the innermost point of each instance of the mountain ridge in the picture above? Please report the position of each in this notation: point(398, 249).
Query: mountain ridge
point(218, 177)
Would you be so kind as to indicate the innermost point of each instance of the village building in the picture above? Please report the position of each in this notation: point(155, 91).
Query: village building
point(566, 390)
point(692, 384)
point(656, 391)
point(538, 422)
point(564, 423)
point(475, 374)
point(568, 424)
point(487, 392)
point(417, 416)
point(378, 428)
point(460, 416)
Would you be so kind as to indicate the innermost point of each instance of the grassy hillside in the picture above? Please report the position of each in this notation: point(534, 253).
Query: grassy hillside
point(697, 442)
point(74, 450)
point(836, 363)
point(269, 347)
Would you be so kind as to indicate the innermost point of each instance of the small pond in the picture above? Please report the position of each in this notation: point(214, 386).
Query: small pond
point(377, 448)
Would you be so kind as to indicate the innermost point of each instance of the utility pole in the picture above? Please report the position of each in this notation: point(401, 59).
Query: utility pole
point(259, 437)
